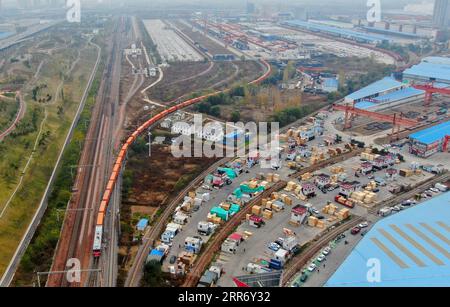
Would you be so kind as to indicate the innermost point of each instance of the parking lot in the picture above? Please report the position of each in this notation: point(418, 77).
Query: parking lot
point(258, 247)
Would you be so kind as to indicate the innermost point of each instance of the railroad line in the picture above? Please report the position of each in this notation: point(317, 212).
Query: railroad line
point(410, 194)
point(301, 260)
point(214, 245)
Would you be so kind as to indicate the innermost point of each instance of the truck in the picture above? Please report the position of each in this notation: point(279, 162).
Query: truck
point(344, 201)
point(256, 221)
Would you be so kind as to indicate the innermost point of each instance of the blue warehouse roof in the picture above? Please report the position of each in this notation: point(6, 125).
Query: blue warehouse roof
point(338, 31)
point(411, 246)
point(382, 85)
point(437, 60)
point(429, 70)
point(391, 32)
point(391, 97)
point(432, 134)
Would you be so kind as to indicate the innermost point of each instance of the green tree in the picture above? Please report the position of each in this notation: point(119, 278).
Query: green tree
point(153, 275)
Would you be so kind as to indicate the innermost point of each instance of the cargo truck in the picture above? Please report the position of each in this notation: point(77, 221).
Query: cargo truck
point(344, 201)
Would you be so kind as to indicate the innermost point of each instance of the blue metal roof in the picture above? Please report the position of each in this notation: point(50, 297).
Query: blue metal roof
point(331, 82)
point(5, 34)
point(430, 70)
point(382, 85)
point(412, 248)
point(338, 31)
point(365, 105)
point(437, 60)
point(155, 252)
point(391, 32)
point(142, 223)
point(391, 97)
point(432, 134)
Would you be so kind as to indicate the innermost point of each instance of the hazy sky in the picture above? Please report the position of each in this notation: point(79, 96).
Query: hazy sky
point(237, 3)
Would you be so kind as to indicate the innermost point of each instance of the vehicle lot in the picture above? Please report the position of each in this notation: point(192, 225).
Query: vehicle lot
point(171, 47)
point(258, 247)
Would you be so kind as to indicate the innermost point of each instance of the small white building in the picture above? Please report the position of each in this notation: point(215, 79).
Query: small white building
point(193, 244)
point(180, 218)
point(298, 214)
point(282, 255)
point(229, 246)
point(182, 128)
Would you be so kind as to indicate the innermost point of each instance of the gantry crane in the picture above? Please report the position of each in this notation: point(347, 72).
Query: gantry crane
point(397, 120)
point(430, 89)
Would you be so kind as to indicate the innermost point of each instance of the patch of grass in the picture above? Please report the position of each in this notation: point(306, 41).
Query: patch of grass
point(38, 256)
point(17, 148)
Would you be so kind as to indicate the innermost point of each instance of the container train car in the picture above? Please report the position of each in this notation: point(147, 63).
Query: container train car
point(98, 234)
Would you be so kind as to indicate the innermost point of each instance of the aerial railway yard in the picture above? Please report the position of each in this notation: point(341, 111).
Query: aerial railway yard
point(345, 160)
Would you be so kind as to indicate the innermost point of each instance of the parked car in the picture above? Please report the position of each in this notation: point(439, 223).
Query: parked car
point(274, 246)
point(434, 190)
point(279, 241)
point(363, 225)
point(312, 267)
point(321, 258)
point(304, 277)
point(355, 230)
point(173, 259)
point(326, 251)
point(364, 232)
point(315, 211)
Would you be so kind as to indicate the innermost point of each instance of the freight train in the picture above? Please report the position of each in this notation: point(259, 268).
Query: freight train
point(97, 245)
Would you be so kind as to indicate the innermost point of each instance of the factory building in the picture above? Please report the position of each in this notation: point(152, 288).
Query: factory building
point(338, 32)
point(429, 141)
point(441, 14)
point(430, 69)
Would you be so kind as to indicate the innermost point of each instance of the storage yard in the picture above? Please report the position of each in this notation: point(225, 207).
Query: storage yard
point(171, 46)
point(280, 224)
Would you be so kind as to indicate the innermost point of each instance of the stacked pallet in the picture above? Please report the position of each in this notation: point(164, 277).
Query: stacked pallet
point(330, 209)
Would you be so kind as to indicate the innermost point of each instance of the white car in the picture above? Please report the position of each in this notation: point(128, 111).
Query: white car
point(312, 267)
point(434, 190)
point(326, 251)
point(363, 225)
point(321, 258)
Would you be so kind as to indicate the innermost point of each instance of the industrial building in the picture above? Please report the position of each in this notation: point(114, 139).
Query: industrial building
point(441, 14)
point(410, 246)
point(389, 92)
point(430, 69)
point(382, 87)
point(429, 141)
point(338, 32)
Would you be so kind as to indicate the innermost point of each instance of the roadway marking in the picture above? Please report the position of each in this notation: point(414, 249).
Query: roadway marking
point(406, 251)
point(417, 245)
point(428, 240)
point(388, 252)
point(443, 225)
point(436, 233)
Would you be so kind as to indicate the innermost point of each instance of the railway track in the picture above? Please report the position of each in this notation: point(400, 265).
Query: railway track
point(73, 242)
point(410, 194)
point(298, 262)
point(214, 244)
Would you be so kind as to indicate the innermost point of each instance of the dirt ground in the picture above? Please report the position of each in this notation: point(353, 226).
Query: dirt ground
point(156, 177)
